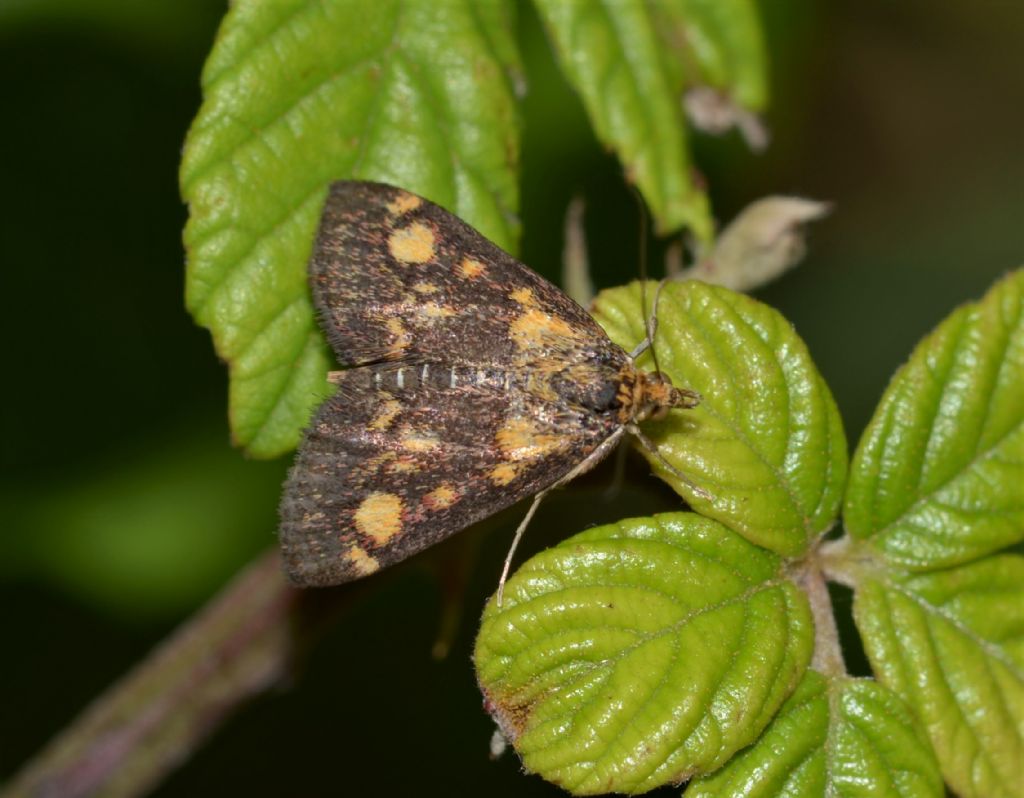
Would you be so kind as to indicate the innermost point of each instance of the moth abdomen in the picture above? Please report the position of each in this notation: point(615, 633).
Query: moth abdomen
point(399, 379)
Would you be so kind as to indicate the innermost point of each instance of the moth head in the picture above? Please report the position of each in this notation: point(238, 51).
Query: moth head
point(658, 395)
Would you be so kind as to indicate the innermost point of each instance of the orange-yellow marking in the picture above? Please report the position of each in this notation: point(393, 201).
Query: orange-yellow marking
point(535, 328)
point(470, 268)
point(404, 203)
point(503, 473)
point(361, 562)
point(380, 516)
point(389, 408)
point(524, 296)
point(373, 464)
point(412, 244)
point(441, 497)
point(402, 336)
point(432, 310)
point(425, 288)
point(521, 439)
point(403, 465)
point(414, 441)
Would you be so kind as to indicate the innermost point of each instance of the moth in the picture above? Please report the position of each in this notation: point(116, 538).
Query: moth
point(469, 383)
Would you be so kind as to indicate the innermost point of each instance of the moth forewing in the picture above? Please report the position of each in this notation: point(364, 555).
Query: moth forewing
point(470, 383)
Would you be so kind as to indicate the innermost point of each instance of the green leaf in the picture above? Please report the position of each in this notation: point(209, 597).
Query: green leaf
point(766, 440)
point(641, 653)
point(936, 479)
point(952, 644)
point(935, 486)
point(613, 56)
point(299, 93)
point(788, 759)
point(841, 737)
point(715, 43)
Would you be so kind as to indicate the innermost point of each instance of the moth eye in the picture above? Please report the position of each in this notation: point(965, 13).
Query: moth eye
point(659, 413)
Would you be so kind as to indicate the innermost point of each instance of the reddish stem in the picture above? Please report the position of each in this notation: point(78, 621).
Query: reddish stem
point(244, 641)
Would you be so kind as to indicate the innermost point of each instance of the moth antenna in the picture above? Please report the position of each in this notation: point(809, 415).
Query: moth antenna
point(649, 446)
point(650, 322)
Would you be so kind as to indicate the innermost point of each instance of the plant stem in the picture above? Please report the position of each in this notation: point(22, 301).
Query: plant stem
point(146, 724)
point(828, 654)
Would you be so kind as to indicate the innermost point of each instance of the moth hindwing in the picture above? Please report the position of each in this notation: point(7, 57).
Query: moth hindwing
point(469, 383)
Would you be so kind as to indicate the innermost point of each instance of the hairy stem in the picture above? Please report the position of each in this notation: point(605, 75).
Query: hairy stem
point(828, 654)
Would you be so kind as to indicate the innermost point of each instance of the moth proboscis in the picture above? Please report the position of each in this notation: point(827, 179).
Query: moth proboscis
point(469, 382)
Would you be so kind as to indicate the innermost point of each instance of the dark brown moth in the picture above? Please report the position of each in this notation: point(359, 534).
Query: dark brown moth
point(470, 382)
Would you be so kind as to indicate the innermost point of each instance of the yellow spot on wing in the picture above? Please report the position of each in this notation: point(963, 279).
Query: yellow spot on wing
point(404, 203)
point(524, 296)
point(441, 497)
point(521, 439)
point(425, 288)
point(361, 562)
point(470, 268)
point(402, 337)
point(373, 464)
point(412, 244)
point(432, 310)
point(413, 441)
point(380, 516)
point(503, 473)
point(535, 328)
point(403, 465)
point(389, 408)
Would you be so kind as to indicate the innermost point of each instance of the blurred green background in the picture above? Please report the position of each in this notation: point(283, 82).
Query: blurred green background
point(125, 507)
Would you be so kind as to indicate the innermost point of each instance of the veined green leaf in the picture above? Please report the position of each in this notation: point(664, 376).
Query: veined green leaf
point(298, 93)
point(841, 737)
point(612, 54)
point(952, 644)
point(641, 653)
point(766, 440)
point(938, 477)
point(788, 759)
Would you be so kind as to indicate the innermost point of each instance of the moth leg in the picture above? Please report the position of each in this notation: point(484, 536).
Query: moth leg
point(619, 475)
point(652, 323)
point(648, 341)
point(585, 465)
point(519, 534)
point(643, 346)
point(633, 429)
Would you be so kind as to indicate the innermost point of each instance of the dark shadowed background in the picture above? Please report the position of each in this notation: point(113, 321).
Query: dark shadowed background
point(125, 507)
